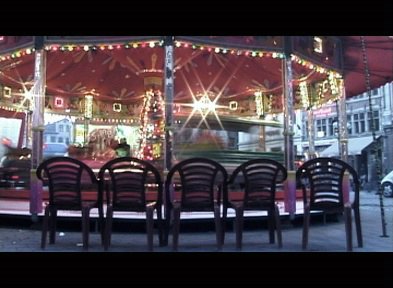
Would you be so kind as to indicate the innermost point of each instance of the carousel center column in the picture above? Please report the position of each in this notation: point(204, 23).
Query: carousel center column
point(38, 125)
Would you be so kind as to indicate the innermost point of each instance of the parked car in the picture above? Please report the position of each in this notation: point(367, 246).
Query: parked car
point(387, 185)
point(54, 149)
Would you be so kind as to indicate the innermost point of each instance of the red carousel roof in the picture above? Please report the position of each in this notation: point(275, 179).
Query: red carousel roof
point(379, 52)
point(117, 73)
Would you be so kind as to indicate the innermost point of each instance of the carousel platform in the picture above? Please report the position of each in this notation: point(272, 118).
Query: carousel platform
point(15, 202)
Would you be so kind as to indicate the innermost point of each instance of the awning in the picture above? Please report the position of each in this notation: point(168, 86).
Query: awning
point(355, 147)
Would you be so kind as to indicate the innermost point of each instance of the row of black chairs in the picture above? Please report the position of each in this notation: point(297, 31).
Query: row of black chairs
point(195, 184)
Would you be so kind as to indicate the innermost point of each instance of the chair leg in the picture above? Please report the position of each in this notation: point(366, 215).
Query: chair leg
point(167, 222)
point(52, 225)
point(348, 227)
point(224, 222)
point(278, 225)
point(239, 220)
point(85, 227)
point(45, 227)
point(271, 225)
point(101, 224)
point(161, 228)
point(306, 226)
point(219, 232)
point(358, 227)
point(149, 226)
point(176, 226)
point(108, 227)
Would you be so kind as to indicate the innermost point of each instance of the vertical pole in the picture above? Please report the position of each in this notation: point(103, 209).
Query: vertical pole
point(262, 138)
point(38, 125)
point(339, 127)
point(342, 137)
point(289, 119)
point(311, 133)
point(376, 145)
point(85, 131)
point(168, 144)
point(27, 136)
point(289, 112)
point(169, 60)
point(342, 124)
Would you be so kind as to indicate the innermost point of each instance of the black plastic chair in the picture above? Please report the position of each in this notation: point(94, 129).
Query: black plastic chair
point(127, 182)
point(195, 184)
point(66, 179)
point(322, 181)
point(257, 180)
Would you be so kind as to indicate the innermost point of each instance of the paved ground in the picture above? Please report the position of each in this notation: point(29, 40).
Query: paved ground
point(329, 237)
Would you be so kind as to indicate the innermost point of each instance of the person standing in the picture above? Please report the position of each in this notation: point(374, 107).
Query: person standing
point(123, 149)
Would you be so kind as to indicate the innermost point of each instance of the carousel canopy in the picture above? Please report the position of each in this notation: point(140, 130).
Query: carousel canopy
point(379, 57)
point(118, 69)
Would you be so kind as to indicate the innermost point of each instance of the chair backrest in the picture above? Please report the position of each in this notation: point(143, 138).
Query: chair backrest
point(324, 179)
point(259, 178)
point(197, 179)
point(66, 177)
point(126, 181)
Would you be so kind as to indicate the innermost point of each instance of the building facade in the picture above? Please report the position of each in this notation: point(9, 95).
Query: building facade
point(59, 132)
point(361, 151)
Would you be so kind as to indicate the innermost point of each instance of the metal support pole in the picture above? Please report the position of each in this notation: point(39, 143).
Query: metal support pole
point(339, 127)
point(86, 131)
point(289, 120)
point(168, 143)
point(342, 124)
point(311, 134)
point(28, 135)
point(376, 145)
point(289, 112)
point(262, 138)
point(169, 60)
point(38, 126)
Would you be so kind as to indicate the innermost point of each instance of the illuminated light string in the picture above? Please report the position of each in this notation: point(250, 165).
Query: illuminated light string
point(310, 65)
point(151, 126)
point(13, 109)
point(112, 46)
point(178, 44)
point(224, 50)
point(316, 95)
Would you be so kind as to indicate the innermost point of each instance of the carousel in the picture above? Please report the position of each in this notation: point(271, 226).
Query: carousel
point(170, 98)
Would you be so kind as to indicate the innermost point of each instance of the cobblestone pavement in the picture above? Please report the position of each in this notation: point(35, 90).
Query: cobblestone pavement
point(328, 237)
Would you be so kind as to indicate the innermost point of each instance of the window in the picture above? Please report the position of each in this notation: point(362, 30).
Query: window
point(321, 129)
point(52, 139)
point(60, 140)
point(6, 92)
point(61, 128)
point(331, 131)
point(318, 46)
point(349, 124)
point(376, 121)
point(68, 128)
point(305, 128)
point(359, 123)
